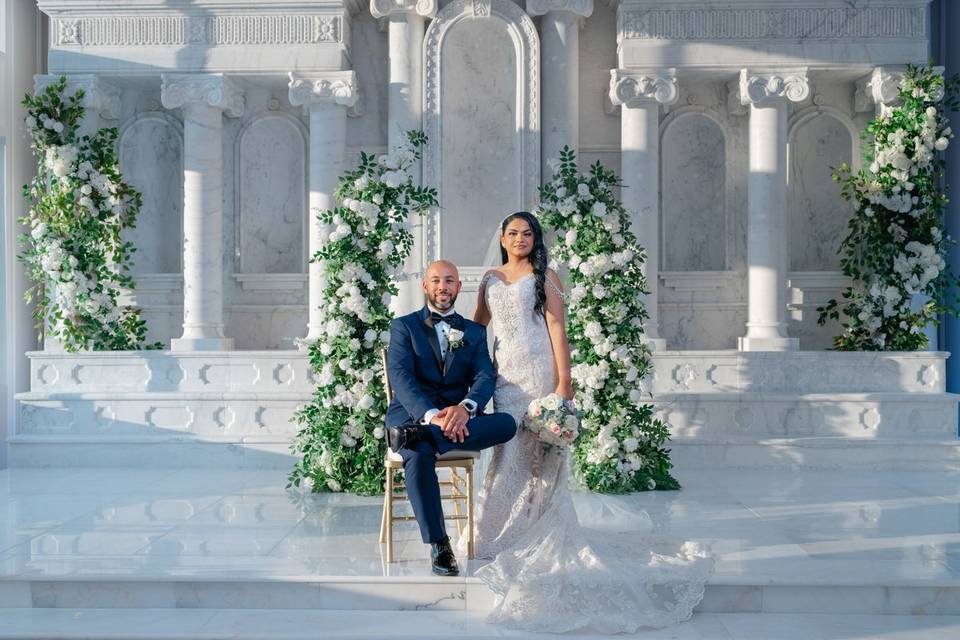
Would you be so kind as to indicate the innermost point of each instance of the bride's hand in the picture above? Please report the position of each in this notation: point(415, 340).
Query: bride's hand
point(565, 390)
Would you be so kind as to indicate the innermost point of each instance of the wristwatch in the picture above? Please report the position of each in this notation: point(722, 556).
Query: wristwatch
point(470, 406)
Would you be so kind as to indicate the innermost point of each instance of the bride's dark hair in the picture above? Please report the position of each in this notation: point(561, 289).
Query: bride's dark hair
point(537, 255)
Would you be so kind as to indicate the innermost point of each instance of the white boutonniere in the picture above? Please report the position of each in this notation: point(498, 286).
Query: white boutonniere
point(454, 339)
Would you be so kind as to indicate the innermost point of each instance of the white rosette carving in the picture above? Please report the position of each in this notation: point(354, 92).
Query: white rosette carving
point(211, 89)
point(764, 88)
point(632, 88)
point(336, 87)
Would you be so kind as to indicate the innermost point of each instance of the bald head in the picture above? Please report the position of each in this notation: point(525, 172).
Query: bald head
point(441, 285)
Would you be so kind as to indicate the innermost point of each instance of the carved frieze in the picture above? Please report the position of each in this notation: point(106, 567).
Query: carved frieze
point(764, 23)
point(383, 8)
point(582, 8)
point(335, 87)
point(174, 30)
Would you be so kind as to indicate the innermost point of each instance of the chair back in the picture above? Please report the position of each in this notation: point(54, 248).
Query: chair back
point(388, 390)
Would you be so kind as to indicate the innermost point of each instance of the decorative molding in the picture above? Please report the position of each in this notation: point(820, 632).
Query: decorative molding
point(796, 23)
point(99, 96)
point(765, 88)
point(638, 88)
point(524, 34)
point(384, 8)
point(272, 281)
point(692, 281)
point(334, 87)
point(179, 30)
point(210, 89)
point(581, 8)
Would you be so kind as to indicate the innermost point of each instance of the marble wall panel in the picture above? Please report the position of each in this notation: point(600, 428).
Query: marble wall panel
point(702, 326)
point(151, 159)
point(482, 179)
point(598, 54)
point(693, 194)
point(370, 53)
point(818, 215)
point(271, 192)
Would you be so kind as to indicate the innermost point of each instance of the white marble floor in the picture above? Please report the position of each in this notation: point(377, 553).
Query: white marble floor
point(201, 545)
point(832, 528)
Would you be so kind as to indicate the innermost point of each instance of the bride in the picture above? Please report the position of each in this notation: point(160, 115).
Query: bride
point(548, 572)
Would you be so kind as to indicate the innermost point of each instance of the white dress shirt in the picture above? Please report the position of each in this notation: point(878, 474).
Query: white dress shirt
point(441, 328)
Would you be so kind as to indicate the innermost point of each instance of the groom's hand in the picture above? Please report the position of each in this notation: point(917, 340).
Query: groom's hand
point(453, 422)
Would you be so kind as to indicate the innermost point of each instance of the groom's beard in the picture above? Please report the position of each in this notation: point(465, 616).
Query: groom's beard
point(443, 307)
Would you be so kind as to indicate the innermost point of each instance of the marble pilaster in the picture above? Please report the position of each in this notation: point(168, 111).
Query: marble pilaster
point(406, 24)
point(203, 98)
point(326, 98)
point(767, 95)
point(560, 26)
point(640, 95)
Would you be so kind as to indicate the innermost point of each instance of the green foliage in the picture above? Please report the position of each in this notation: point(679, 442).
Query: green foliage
point(75, 255)
point(341, 437)
point(621, 446)
point(895, 248)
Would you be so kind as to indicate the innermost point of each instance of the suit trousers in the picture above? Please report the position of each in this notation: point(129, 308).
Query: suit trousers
point(419, 466)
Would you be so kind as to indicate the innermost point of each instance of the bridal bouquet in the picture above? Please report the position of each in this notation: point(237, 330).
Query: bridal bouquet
point(554, 420)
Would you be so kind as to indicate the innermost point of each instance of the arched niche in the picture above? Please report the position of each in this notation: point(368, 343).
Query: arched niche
point(151, 158)
point(820, 139)
point(481, 113)
point(271, 188)
point(693, 193)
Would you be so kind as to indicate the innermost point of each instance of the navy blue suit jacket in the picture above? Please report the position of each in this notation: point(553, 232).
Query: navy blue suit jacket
point(421, 381)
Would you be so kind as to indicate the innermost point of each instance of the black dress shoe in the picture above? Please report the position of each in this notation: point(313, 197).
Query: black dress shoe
point(405, 436)
point(444, 562)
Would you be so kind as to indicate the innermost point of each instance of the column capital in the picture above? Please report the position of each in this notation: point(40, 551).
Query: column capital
point(99, 96)
point(760, 88)
point(384, 8)
point(334, 87)
point(210, 89)
point(881, 88)
point(580, 8)
point(636, 88)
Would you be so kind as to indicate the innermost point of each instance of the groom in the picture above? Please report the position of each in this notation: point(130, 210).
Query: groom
point(442, 378)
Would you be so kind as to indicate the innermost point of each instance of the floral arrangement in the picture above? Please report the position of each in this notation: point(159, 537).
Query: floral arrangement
point(553, 420)
point(341, 437)
point(895, 248)
point(621, 444)
point(79, 207)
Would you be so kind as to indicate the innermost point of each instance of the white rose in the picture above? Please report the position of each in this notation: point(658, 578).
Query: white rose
point(571, 236)
point(599, 209)
point(378, 433)
point(552, 402)
point(583, 190)
point(941, 144)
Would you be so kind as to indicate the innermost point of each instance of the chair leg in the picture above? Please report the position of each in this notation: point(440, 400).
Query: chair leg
point(456, 491)
point(389, 505)
point(470, 512)
point(383, 513)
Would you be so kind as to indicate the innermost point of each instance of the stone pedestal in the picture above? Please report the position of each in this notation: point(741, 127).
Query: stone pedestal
point(326, 99)
point(767, 226)
point(639, 95)
point(203, 98)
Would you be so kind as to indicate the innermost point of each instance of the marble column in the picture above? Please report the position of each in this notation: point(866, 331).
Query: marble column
point(406, 23)
point(767, 95)
point(101, 101)
point(639, 94)
point(559, 75)
point(203, 98)
point(325, 98)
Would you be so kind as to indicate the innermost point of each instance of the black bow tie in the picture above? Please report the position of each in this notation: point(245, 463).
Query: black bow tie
point(455, 320)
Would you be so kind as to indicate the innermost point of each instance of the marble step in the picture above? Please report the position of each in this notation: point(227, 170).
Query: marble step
point(721, 371)
point(753, 415)
point(744, 594)
point(220, 624)
point(881, 454)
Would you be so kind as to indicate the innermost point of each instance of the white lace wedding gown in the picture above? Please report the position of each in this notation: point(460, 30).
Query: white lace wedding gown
point(550, 573)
